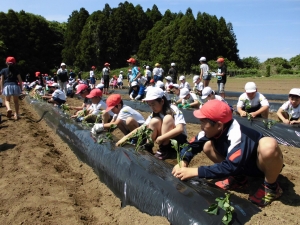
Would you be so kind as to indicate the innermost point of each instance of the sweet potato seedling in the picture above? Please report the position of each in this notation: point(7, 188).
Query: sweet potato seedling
point(224, 204)
point(269, 123)
point(177, 148)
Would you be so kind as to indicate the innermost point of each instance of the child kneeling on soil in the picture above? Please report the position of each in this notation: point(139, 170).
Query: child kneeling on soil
point(126, 118)
point(166, 122)
point(58, 97)
point(289, 112)
point(237, 152)
point(83, 90)
point(188, 99)
point(98, 107)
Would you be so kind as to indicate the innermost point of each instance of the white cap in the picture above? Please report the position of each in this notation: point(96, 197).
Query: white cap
point(173, 64)
point(54, 85)
point(195, 78)
point(174, 86)
point(168, 78)
point(182, 78)
point(159, 84)
point(147, 67)
point(295, 91)
point(206, 92)
point(183, 92)
point(250, 87)
point(121, 71)
point(63, 64)
point(37, 87)
point(134, 83)
point(155, 93)
point(202, 59)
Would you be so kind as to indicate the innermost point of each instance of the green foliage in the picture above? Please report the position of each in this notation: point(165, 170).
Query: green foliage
point(269, 123)
point(178, 149)
point(278, 61)
point(295, 61)
point(250, 62)
point(268, 70)
point(224, 204)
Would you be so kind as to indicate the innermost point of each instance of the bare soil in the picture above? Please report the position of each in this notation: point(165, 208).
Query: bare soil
point(42, 181)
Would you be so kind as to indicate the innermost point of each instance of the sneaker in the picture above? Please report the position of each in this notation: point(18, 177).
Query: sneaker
point(264, 195)
point(231, 183)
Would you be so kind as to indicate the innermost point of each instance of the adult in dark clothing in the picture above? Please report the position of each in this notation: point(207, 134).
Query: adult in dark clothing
point(237, 152)
point(173, 73)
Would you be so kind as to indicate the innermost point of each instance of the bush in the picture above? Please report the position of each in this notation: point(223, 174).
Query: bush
point(286, 71)
point(268, 70)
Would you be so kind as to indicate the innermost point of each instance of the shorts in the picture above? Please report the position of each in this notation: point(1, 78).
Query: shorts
point(221, 88)
point(252, 170)
point(181, 139)
point(92, 80)
point(59, 101)
point(207, 77)
point(120, 83)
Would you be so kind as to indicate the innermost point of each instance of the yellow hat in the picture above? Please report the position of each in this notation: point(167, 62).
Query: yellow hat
point(157, 64)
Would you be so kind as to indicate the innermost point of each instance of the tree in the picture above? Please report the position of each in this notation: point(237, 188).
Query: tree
point(295, 61)
point(250, 62)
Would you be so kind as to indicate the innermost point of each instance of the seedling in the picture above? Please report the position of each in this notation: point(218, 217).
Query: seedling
point(224, 204)
point(289, 112)
point(249, 116)
point(178, 149)
point(106, 137)
point(143, 136)
point(269, 123)
point(247, 104)
point(99, 118)
point(65, 108)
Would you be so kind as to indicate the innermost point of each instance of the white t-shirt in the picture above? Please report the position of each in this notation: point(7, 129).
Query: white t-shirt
point(161, 71)
point(294, 112)
point(167, 85)
point(185, 85)
point(92, 74)
point(120, 78)
point(148, 73)
point(178, 118)
point(205, 69)
point(199, 86)
point(69, 87)
point(105, 71)
point(258, 99)
point(156, 71)
point(96, 108)
point(127, 111)
point(193, 98)
point(59, 94)
point(100, 85)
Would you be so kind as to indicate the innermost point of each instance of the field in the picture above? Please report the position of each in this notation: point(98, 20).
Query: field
point(42, 181)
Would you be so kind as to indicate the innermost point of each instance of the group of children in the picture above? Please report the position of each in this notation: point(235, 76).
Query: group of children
point(236, 151)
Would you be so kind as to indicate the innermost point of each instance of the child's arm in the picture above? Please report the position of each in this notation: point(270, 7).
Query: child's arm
point(281, 117)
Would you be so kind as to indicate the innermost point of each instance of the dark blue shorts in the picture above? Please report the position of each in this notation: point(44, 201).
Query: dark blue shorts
point(93, 80)
point(59, 101)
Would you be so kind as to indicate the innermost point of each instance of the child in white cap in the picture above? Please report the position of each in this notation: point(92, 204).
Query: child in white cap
point(252, 102)
point(198, 85)
point(166, 121)
point(188, 99)
point(289, 112)
point(183, 83)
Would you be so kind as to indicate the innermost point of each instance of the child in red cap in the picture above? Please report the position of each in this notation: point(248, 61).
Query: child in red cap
point(11, 85)
point(237, 152)
point(126, 118)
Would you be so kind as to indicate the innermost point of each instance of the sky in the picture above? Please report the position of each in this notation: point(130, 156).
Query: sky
point(263, 28)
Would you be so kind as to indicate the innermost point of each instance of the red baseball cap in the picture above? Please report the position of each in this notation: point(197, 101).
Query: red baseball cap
point(95, 93)
point(37, 74)
point(112, 101)
point(10, 60)
point(131, 60)
point(214, 110)
point(152, 81)
point(220, 60)
point(106, 64)
point(93, 67)
point(81, 87)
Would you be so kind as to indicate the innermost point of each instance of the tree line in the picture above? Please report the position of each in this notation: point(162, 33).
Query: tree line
point(116, 34)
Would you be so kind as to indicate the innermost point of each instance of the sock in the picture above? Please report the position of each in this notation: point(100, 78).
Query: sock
point(271, 186)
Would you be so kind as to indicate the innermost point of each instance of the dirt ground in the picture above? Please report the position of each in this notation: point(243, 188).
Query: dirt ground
point(43, 182)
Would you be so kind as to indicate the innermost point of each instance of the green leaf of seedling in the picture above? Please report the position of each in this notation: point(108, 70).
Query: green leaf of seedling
point(212, 209)
point(100, 141)
point(227, 218)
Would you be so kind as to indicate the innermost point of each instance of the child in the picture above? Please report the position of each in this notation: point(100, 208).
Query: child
point(83, 90)
point(209, 94)
point(58, 97)
point(11, 85)
point(183, 83)
point(134, 90)
point(198, 85)
point(126, 118)
point(252, 102)
point(166, 122)
point(204, 71)
point(120, 80)
point(188, 99)
point(92, 77)
point(236, 151)
point(97, 106)
point(289, 112)
point(168, 83)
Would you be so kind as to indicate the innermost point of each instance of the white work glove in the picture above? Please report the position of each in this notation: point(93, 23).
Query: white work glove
point(97, 128)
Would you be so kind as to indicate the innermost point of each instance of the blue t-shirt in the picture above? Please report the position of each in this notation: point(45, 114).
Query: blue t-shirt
point(134, 73)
